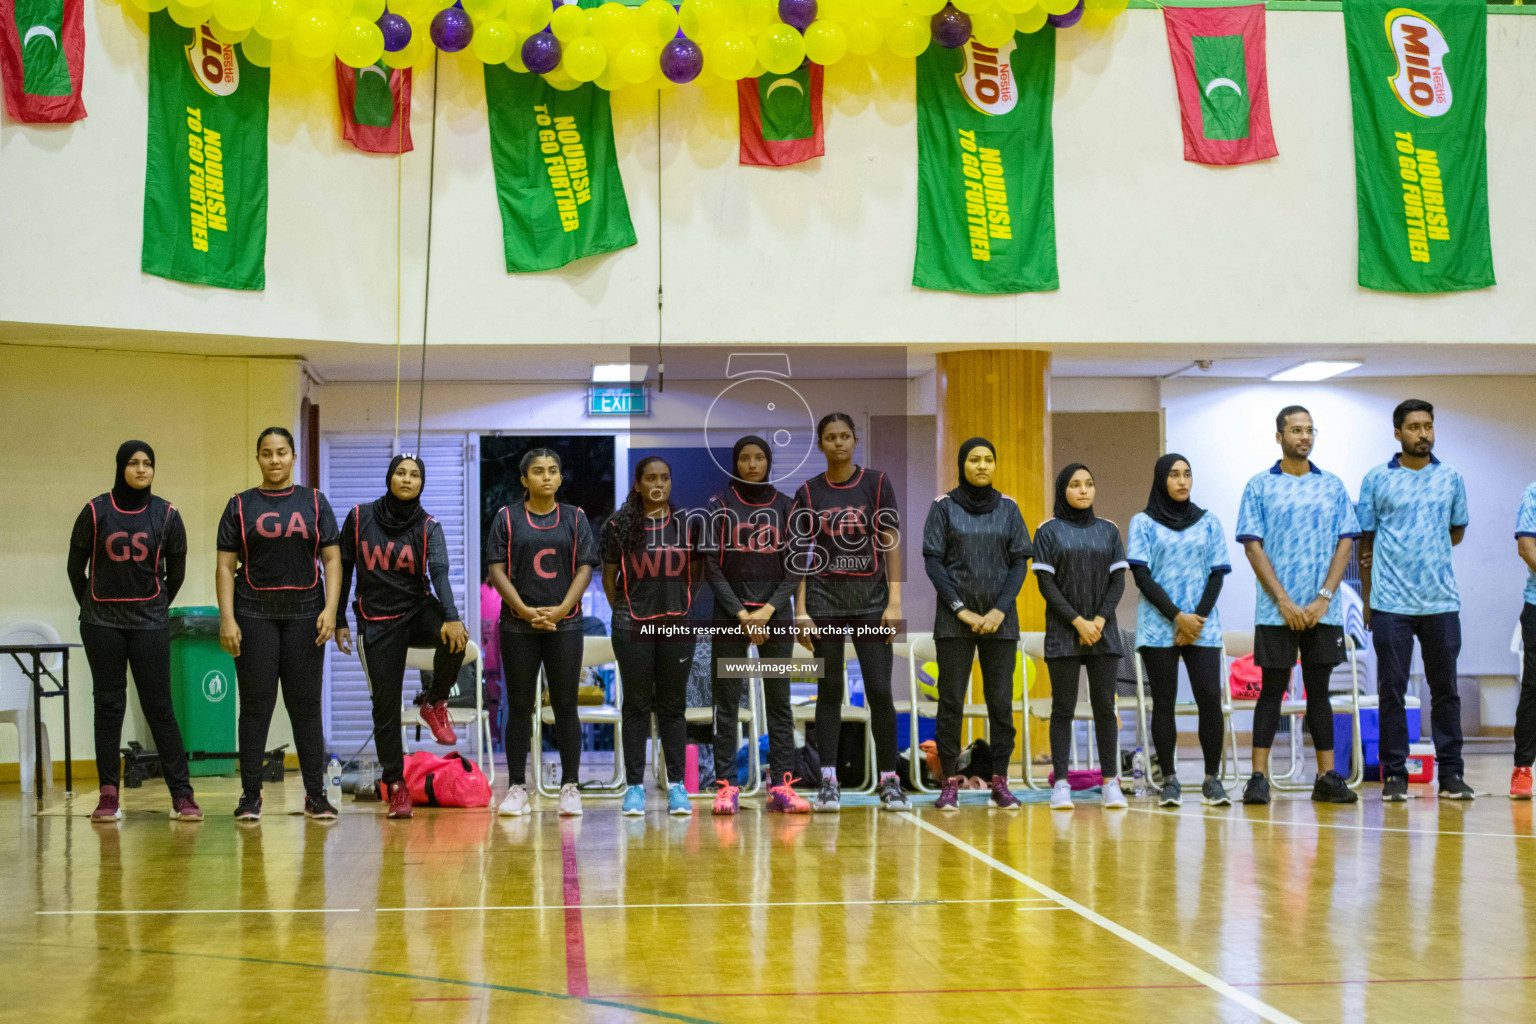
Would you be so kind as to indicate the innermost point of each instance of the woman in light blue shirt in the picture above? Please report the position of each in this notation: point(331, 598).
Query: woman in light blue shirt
point(1178, 559)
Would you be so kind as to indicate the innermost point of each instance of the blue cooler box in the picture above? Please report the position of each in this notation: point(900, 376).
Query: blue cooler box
point(1370, 740)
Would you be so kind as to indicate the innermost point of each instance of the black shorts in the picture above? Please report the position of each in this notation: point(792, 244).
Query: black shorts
point(1278, 646)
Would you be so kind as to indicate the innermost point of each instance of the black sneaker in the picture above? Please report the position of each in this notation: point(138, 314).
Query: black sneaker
point(892, 797)
point(249, 808)
point(1257, 790)
point(1212, 792)
point(1171, 795)
point(1454, 787)
point(319, 808)
point(1330, 788)
point(1394, 790)
point(829, 798)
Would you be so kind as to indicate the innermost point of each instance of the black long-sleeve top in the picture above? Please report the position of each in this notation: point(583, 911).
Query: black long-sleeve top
point(1080, 570)
point(976, 563)
point(437, 571)
point(170, 537)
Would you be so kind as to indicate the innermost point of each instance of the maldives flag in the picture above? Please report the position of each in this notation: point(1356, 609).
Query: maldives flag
point(42, 59)
point(780, 117)
point(375, 107)
point(1218, 61)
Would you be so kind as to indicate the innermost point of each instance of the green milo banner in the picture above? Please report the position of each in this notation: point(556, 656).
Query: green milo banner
point(1418, 82)
point(986, 218)
point(205, 180)
point(557, 175)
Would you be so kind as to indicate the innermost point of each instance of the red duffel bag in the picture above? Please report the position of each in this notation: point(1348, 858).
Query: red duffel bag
point(449, 781)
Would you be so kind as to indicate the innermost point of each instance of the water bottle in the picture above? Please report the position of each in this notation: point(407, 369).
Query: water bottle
point(333, 782)
point(1138, 772)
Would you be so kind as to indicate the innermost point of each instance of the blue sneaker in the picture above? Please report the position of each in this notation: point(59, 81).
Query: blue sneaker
point(634, 802)
point(677, 801)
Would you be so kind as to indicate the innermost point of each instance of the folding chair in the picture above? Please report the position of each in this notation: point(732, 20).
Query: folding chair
point(1366, 702)
point(595, 650)
point(921, 648)
point(1349, 703)
point(1186, 708)
point(1040, 710)
point(806, 713)
point(475, 720)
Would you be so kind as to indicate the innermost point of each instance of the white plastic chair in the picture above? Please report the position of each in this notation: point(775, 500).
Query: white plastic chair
point(474, 720)
point(921, 648)
point(16, 696)
point(806, 713)
point(595, 650)
point(1040, 709)
point(1185, 708)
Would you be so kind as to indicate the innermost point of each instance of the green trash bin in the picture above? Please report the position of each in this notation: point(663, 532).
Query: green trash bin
point(203, 690)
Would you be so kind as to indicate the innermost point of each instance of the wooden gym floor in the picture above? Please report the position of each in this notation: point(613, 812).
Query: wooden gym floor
point(1419, 912)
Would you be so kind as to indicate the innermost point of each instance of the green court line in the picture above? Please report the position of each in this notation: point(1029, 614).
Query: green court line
point(485, 985)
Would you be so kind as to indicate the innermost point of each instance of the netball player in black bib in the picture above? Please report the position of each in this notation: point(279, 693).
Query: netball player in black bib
point(395, 547)
point(541, 553)
point(844, 526)
point(976, 550)
point(127, 560)
point(747, 566)
point(651, 566)
point(276, 614)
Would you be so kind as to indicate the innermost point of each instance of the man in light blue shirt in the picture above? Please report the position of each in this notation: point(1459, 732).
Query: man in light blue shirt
point(1412, 511)
point(1525, 714)
point(1297, 524)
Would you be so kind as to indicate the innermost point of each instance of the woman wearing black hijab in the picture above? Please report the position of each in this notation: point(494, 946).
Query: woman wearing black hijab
point(1080, 568)
point(976, 549)
point(395, 547)
point(127, 560)
point(1178, 558)
point(747, 566)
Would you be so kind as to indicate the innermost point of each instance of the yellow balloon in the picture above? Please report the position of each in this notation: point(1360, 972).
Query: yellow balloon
point(635, 63)
point(523, 14)
point(657, 22)
point(1032, 20)
point(780, 48)
point(493, 41)
point(703, 20)
point(236, 15)
point(150, 6)
point(277, 18)
point(408, 54)
point(570, 22)
point(257, 50)
point(909, 35)
point(925, 8)
point(992, 28)
point(973, 6)
point(224, 33)
point(836, 10)
point(186, 17)
point(608, 81)
point(731, 56)
point(1057, 6)
point(1103, 7)
point(413, 11)
point(584, 59)
point(826, 42)
point(612, 25)
point(359, 43)
point(483, 10)
point(368, 10)
point(562, 80)
point(758, 15)
point(1017, 6)
point(864, 36)
point(314, 34)
point(310, 69)
point(195, 4)
point(515, 62)
point(341, 8)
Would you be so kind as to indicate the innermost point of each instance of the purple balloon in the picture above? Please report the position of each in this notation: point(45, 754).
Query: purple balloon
point(397, 32)
point(797, 13)
point(541, 53)
point(681, 60)
point(951, 28)
point(452, 30)
point(1067, 20)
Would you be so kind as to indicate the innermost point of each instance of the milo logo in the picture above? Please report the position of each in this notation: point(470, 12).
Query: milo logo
point(1420, 82)
point(987, 79)
point(213, 63)
point(215, 686)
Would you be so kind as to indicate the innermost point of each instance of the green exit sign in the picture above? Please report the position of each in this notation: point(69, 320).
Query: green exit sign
point(621, 400)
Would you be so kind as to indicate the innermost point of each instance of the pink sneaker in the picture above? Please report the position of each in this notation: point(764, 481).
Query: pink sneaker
point(107, 808)
point(727, 800)
point(435, 717)
point(782, 799)
point(184, 808)
point(949, 796)
point(1002, 796)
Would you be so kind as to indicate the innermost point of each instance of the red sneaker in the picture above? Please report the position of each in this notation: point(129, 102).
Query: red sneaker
point(435, 717)
point(107, 808)
point(184, 808)
point(399, 800)
point(782, 799)
point(1520, 784)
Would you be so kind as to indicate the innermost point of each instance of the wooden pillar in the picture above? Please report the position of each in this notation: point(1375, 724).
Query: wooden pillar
point(1003, 395)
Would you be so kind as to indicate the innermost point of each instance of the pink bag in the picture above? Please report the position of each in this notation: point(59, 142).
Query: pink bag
point(1247, 679)
point(449, 781)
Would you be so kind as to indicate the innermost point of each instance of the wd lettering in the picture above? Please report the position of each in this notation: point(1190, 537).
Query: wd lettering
point(1420, 83)
point(987, 78)
point(213, 63)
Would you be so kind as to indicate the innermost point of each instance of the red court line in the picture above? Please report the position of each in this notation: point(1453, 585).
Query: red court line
point(1060, 988)
point(575, 941)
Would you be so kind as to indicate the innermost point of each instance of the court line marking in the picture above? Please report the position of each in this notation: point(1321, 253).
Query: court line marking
point(1326, 824)
point(1256, 1006)
point(562, 906)
point(401, 976)
point(227, 910)
point(575, 938)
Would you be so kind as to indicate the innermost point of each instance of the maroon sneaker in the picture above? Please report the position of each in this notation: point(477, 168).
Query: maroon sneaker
point(184, 808)
point(435, 717)
point(949, 796)
point(107, 808)
point(399, 800)
point(1001, 794)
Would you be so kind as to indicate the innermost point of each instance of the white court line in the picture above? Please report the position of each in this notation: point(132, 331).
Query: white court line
point(230, 910)
point(1324, 824)
point(1178, 963)
point(567, 906)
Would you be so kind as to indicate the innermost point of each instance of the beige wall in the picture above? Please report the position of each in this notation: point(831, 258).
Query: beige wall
point(64, 412)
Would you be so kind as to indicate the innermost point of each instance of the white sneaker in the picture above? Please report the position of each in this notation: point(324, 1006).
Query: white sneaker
point(570, 801)
point(1113, 798)
point(516, 803)
point(1061, 796)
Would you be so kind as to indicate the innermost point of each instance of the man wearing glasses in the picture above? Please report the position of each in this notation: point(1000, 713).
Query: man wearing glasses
point(1297, 524)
